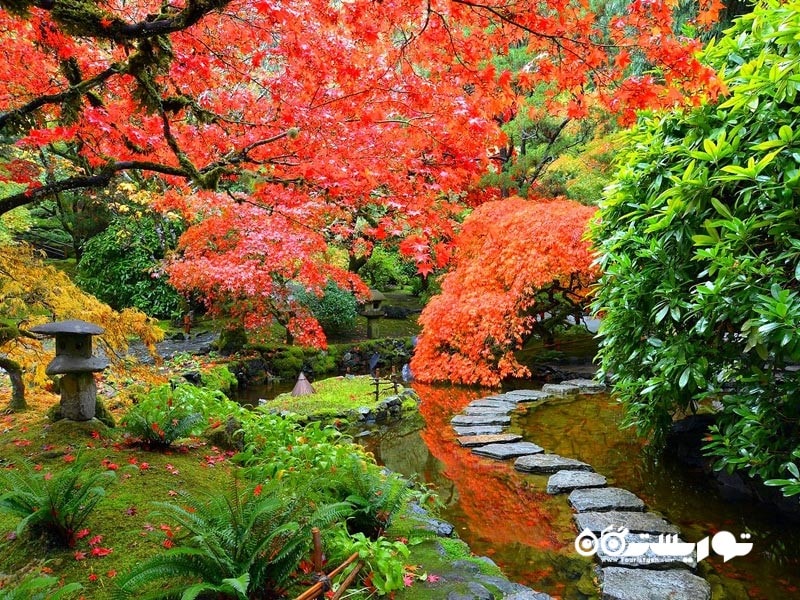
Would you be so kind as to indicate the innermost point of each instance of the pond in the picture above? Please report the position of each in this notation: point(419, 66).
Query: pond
point(508, 516)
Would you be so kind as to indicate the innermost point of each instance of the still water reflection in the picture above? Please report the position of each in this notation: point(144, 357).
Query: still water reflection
point(507, 515)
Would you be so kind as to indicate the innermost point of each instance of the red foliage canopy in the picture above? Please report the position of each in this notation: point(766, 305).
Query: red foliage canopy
point(515, 259)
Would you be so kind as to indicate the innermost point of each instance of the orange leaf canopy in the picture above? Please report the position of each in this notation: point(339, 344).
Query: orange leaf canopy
point(507, 251)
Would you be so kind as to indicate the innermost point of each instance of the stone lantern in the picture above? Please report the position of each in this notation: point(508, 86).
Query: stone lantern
point(74, 361)
point(372, 311)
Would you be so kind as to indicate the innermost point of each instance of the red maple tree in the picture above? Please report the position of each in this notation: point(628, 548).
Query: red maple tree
point(303, 115)
point(517, 262)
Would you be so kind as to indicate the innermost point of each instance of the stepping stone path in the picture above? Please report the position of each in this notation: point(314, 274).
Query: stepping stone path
point(615, 512)
point(544, 464)
point(566, 481)
point(599, 499)
point(480, 420)
point(468, 441)
point(488, 410)
point(479, 430)
point(503, 451)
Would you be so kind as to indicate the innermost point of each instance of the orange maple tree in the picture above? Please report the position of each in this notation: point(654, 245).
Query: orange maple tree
point(517, 263)
point(304, 115)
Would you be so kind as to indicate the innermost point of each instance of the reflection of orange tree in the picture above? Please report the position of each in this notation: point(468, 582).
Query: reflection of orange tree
point(498, 502)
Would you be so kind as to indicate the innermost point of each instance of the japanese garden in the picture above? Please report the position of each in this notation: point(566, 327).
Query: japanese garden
point(441, 299)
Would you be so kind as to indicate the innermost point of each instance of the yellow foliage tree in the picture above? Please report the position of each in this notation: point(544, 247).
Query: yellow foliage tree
point(32, 293)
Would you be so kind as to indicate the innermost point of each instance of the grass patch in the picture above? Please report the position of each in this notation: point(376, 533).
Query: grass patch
point(335, 396)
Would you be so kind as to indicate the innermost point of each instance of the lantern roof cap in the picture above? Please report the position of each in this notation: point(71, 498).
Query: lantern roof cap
point(73, 326)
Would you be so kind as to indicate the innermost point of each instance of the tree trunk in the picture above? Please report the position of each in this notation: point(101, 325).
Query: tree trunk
point(17, 385)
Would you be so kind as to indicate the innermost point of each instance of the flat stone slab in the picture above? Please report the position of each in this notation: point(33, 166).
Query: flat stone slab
point(600, 499)
point(504, 451)
point(492, 403)
point(634, 522)
point(545, 464)
point(560, 389)
point(479, 430)
point(647, 551)
point(586, 386)
point(469, 441)
point(644, 584)
point(566, 481)
point(480, 420)
point(488, 410)
point(526, 395)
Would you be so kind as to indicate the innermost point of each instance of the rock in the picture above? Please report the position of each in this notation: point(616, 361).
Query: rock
point(466, 566)
point(428, 523)
point(648, 560)
point(193, 377)
point(73, 428)
point(504, 451)
point(492, 403)
point(566, 481)
point(600, 499)
point(543, 464)
point(526, 395)
point(480, 420)
point(586, 386)
point(635, 522)
point(527, 595)
point(510, 589)
point(479, 430)
point(643, 584)
point(475, 592)
point(468, 441)
point(560, 389)
point(488, 411)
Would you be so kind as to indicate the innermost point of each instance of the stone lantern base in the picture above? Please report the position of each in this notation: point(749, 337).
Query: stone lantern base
point(78, 396)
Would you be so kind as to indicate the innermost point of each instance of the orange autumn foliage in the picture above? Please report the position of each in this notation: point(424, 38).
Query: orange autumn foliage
point(303, 124)
point(515, 258)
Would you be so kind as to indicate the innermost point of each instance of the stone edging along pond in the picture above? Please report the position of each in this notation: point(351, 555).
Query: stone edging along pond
point(481, 428)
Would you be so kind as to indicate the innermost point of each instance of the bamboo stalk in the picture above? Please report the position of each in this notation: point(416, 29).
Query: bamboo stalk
point(317, 556)
point(347, 581)
point(319, 587)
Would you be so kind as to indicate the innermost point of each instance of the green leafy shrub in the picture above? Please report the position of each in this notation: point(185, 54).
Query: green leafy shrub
point(218, 378)
point(243, 544)
point(54, 505)
point(700, 244)
point(385, 269)
point(384, 559)
point(121, 266)
point(166, 414)
point(336, 309)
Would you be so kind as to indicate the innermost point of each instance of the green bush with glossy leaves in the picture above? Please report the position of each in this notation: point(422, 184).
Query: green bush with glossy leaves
point(699, 237)
point(123, 265)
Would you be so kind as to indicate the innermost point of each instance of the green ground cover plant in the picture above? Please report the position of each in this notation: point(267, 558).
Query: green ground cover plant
point(334, 396)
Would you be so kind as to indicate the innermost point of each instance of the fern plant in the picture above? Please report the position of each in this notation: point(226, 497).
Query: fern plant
point(53, 505)
point(244, 545)
point(376, 496)
point(161, 418)
point(40, 587)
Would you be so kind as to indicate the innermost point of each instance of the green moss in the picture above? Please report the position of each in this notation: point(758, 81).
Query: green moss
point(101, 413)
point(334, 397)
point(124, 517)
point(219, 378)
